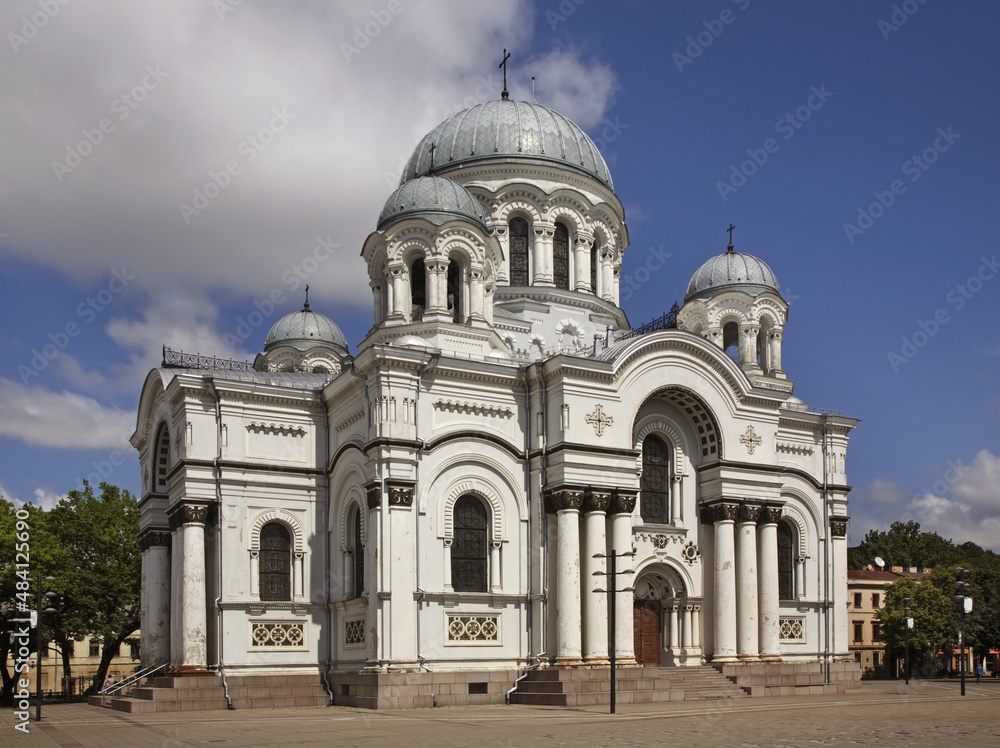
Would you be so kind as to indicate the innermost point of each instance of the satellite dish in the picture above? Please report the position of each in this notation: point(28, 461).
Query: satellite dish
point(880, 562)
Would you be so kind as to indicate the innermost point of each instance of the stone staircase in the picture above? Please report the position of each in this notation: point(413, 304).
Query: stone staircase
point(635, 685)
point(203, 693)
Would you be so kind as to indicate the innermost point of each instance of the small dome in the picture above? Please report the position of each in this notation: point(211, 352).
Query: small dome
point(434, 198)
point(306, 329)
point(504, 130)
point(732, 271)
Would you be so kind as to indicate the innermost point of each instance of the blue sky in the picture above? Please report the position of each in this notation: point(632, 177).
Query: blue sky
point(853, 144)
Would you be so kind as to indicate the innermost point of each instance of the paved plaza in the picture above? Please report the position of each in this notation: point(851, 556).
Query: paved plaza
point(926, 713)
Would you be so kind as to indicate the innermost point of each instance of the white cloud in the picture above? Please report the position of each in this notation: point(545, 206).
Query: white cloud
point(44, 498)
point(966, 507)
point(45, 418)
point(349, 120)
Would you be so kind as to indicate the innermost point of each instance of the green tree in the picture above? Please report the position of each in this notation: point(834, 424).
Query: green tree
point(933, 611)
point(101, 595)
point(982, 626)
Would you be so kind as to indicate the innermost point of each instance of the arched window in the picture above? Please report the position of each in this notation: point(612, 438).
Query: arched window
point(786, 562)
point(595, 264)
point(161, 460)
point(359, 552)
point(560, 257)
point(468, 552)
point(654, 507)
point(275, 562)
point(518, 233)
point(455, 291)
point(418, 289)
point(731, 340)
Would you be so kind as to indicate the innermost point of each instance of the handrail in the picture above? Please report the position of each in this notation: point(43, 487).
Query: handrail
point(114, 688)
point(522, 676)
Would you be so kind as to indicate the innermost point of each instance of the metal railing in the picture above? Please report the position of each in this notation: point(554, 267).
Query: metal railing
point(181, 360)
point(664, 322)
point(114, 688)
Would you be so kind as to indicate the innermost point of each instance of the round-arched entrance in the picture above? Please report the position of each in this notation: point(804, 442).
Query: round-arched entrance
point(666, 621)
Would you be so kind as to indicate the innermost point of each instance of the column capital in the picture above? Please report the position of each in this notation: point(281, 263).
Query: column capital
point(400, 492)
point(153, 537)
point(188, 514)
point(838, 526)
point(770, 514)
point(720, 511)
point(596, 500)
point(623, 501)
point(373, 494)
point(562, 498)
point(749, 513)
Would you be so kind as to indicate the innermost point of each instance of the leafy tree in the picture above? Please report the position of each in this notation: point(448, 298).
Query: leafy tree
point(100, 536)
point(982, 626)
point(933, 611)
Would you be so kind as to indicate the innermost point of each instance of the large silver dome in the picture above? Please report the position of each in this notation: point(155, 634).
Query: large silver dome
point(434, 198)
point(503, 130)
point(732, 271)
point(305, 329)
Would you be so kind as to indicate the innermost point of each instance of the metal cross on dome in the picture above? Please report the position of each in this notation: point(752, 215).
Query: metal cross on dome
point(751, 440)
point(599, 420)
point(503, 64)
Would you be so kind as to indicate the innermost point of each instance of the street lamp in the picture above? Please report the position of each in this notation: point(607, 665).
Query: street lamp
point(965, 605)
point(40, 598)
point(907, 625)
point(612, 575)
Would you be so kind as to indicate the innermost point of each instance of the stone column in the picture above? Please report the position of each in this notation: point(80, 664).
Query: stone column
point(608, 291)
point(194, 612)
point(687, 641)
point(495, 566)
point(675, 640)
point(748, 346)
point(800, 578)
point(838, 584)
point(503, 272)
point(373, 572)
point(774, 347)
point(620, 511)
point(581, 264)
point(747, 614)
point(176, 589)
point(696, 626)
point(676, 516)
point(566, 503)
point(154, 624)
point(399, 560)
point(723, 515)
point(767, 582)
point(595, 604)
point(476, 295)
point(542, 255)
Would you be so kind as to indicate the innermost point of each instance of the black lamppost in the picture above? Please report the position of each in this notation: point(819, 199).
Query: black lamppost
point(612, 575)
point(907, 624)
point(964, 603)
point(40, 598)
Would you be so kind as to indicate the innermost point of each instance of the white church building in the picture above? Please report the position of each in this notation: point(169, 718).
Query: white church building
point(425, 521)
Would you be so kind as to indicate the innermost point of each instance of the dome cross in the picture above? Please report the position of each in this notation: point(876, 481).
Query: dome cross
point(730, 230)
point(503, 64)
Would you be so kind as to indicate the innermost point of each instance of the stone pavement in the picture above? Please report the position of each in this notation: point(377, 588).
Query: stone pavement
point(926, 713)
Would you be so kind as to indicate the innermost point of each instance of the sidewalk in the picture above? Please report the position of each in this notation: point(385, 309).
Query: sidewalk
point(926, 713)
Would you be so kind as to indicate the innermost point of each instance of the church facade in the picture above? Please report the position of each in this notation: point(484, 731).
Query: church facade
point(448, 500)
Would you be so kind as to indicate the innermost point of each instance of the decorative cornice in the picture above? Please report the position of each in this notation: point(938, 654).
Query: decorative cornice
point(792, 448)
point(350, 420)
point(774, 470)
point(279, 429)
point(476, 409)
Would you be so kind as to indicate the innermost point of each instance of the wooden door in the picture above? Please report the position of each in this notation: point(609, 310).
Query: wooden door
point(646, 630)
